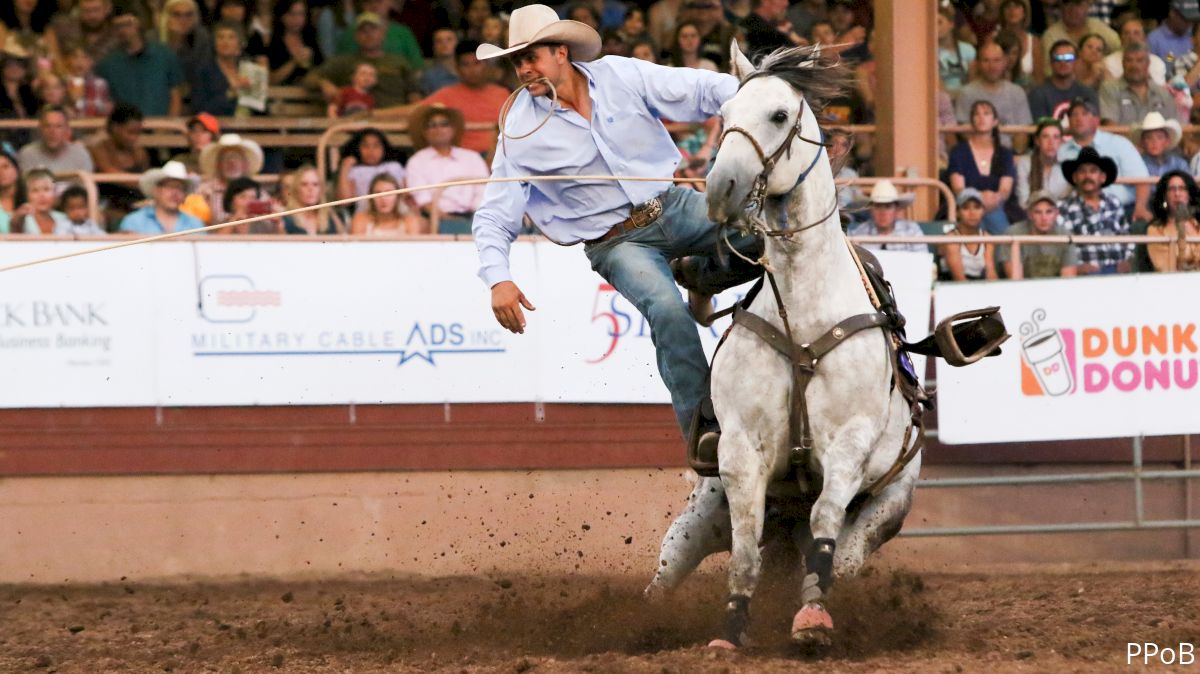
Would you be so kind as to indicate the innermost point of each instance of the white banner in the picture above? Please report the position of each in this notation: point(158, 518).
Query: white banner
point(1098, 357)
point(263, 323)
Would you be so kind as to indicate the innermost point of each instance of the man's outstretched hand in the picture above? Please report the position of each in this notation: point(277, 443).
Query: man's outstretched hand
point(507, 300)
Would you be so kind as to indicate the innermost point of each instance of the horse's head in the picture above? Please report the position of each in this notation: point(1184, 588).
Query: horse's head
point(771, 138)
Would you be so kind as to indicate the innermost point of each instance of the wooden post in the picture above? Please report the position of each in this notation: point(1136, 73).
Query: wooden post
point(906, 103)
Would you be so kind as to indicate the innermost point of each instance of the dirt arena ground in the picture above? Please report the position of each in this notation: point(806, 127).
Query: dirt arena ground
point(1044, 619)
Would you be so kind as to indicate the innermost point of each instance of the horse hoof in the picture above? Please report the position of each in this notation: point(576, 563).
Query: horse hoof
point(812, 627)
point(723, 645)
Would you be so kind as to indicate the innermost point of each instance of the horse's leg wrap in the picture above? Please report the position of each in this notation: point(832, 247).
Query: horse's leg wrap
point(818, 567)
point(737, 619)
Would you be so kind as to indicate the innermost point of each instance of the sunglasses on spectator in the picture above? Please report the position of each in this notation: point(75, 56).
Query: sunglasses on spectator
point(1063, 57)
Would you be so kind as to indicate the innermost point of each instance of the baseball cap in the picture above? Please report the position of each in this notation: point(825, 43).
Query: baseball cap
point(1190, 9)
point(368, 18)
point(968, 194)
point(1087, 103)
point(1039, 196)
point(207, 121)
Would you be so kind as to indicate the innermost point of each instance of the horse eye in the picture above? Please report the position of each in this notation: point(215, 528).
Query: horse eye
point(779, 117)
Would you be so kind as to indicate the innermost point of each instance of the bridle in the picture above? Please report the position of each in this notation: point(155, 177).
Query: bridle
point(755, 199)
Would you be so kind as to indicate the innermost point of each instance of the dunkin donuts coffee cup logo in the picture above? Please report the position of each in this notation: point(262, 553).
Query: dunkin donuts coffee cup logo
point(1047, 358)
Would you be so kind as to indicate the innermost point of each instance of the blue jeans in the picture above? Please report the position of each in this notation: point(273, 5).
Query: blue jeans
point(995, 222)
point(635, 263)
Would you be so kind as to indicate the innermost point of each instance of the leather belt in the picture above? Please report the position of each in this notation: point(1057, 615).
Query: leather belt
point(640, 216)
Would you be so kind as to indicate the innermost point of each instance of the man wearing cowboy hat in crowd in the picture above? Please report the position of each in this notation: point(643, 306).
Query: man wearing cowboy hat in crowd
point(436, 132)
point(1084, 119)
point(886, 203)
point(1158, 137)
point(1090, 210)
point(167, 187)
point(607, 121)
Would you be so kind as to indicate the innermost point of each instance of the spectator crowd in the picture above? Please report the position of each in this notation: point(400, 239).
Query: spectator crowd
point(1069, 69)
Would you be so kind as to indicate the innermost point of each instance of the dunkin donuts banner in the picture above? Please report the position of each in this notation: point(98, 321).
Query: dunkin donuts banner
point(1099, 357)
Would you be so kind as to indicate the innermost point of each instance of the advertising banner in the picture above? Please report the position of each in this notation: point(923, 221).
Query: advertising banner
point(1110, 356)
point(262, 323)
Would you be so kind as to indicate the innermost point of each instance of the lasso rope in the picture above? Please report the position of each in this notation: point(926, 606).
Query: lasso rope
point(508, 103)
point(339, 202)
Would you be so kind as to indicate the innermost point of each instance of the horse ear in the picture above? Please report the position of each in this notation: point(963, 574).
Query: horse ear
point(739, 65)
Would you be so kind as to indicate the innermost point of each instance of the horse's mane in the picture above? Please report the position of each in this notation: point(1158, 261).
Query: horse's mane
point(819, 77)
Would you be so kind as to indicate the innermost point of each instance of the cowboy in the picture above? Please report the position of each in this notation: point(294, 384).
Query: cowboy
point(1091, 211)
point(606, 121)
point(886, 203)
point(1158, 137)
point(436, 133)
point(168, 187)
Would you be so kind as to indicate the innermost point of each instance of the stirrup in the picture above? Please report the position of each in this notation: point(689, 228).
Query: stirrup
point(967, 337)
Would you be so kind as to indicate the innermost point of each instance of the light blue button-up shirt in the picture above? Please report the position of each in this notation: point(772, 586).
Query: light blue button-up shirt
point(145, 221)
point(625, 137)
point(1118, 148)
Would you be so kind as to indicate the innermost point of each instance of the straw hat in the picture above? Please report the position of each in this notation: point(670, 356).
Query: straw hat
point(171, 170)
point(252, 151)
point(538, 23)
point(420, 117)
point(885, 192)
point(1154, 121)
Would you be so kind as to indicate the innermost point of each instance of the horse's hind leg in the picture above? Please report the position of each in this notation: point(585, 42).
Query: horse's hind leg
point(746, 491)
point(876, 523)
point(699, 531)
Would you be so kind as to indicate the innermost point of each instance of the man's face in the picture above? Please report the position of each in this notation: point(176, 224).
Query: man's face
point(127, 134)
point(1132, 32)
point(541, 61)
point(93, 13)
point(169, 195)
point(54, 130)
point(1155, 142)
point(1089, 179)
point(369, 37)
point(231, 163)
point(1075, 12)
point(1043, 216)
point(1137, 66)
point(471, 71)
point(444, 42)
point(1062, 62)
point(1083, 121)
point(128, 31)
point(992, 62)
point(884, 216)
point(439, 132)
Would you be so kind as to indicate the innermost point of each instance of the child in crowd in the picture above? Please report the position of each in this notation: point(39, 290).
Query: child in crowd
point(356, 98)
point(88, 91)
point(74, 204)
point(42, 218)
point(52, 90)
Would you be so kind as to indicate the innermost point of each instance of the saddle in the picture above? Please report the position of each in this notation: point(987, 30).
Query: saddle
point(960, 340)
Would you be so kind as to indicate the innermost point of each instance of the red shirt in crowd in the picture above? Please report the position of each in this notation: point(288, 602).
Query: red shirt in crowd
point(478, 106)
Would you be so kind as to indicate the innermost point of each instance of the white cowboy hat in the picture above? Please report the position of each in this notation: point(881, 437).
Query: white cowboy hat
point(539, 23)
point(252, 151)
point(885, 192)
point(171, 170)
point(1154, 121)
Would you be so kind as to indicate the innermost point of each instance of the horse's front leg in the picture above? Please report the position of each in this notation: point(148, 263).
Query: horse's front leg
point(745, 477)
point(877, 522)
point(841, 465)
point(699, 531)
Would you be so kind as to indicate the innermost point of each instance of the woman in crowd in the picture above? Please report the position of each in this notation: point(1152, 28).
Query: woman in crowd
point(42, 218)
point(968, 261)
point(1010, 42)
point(293, 50)
point(12, 192)
point(982, 163)
point(306, 188)
point(955, 57)
point(1040, 169)
point(367, 154)
point(17, 98)
point(217, 82)
point(51, 90)
point(180, 29)
point(1014, 19)
point(685, 48)
point(1090, 70)
point(477, 13)
point(222, 162)
point(387, 214)
point(1174, 204)
point(633, 27)
point(243, 199)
